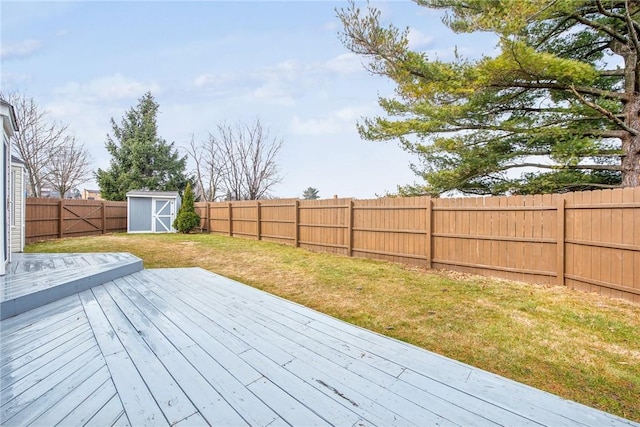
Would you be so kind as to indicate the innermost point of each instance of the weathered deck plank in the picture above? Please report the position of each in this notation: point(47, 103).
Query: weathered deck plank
point(202, 394)
point(111, 414)
point(92, 404)
point(39, 340)
point(203, 370)
point(30, 361)
point(34, 280)
point(41, 396)
point(504, 399)
point(187, 347)
point(168, 395)
point(319, 359)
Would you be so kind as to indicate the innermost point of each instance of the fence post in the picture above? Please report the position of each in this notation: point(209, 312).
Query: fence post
point(206, 217)
point(560, 252)
point(429, 245)
point(61, 219)
point(104, 217)
point(350, 229)
point(230, 220)
point(296, 221)
point(258, 221)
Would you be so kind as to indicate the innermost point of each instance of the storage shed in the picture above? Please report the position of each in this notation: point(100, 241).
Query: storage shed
point(152, 211)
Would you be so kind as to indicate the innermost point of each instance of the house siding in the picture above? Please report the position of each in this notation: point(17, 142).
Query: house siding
point(3, 202)
point(9, 127)
point(17, 208)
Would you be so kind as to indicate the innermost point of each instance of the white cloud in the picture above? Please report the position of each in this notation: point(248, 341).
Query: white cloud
point(277, 84)
point(281, 83)
point(345, 63)
point(217, 84)
point(274, 93)
point(108, 88)
point(339, 121)
point(10, 80)
point(323, 126)
point(330, 26)
point(19, 49)
point(417, 39)
point(204, 80)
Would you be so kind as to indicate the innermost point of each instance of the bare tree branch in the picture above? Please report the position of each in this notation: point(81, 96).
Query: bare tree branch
point(68, 167)
point(37, 141)
point(238, 162)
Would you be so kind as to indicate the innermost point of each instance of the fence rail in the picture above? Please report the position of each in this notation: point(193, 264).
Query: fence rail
point(588, 240)
point(47, 219)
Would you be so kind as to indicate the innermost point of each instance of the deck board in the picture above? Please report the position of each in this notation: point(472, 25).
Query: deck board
point(166, 351)
point(92, 403)
point(110, 414)
point(34, 280)
point(188, 347)
point(208, 365)
point(41, 340)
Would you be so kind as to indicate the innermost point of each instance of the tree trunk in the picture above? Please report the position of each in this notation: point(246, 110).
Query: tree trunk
point(631, 146)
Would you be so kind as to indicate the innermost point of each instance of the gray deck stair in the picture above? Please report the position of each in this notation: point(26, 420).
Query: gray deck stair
point(34, 280)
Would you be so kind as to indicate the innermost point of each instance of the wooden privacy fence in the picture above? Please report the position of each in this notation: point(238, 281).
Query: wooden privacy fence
point(47, 219)
point(586, 240)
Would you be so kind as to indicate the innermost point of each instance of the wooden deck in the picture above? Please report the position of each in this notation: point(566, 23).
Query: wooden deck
point(188, 347)
point(33, 280)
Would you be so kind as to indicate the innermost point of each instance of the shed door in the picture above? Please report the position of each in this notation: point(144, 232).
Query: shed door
point(163, 210)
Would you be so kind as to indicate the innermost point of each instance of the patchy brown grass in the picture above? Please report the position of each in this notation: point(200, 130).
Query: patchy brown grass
point(580, 346)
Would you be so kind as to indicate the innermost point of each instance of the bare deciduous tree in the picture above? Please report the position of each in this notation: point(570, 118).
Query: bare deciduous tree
point(37, 141)
point(236, 162)
point(208, 168)
point(68, 167)
point(257, 152)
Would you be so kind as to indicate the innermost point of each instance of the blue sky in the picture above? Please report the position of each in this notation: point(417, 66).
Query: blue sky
point(210, 62)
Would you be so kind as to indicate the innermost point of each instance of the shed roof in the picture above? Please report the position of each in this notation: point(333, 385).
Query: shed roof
point(145, 193)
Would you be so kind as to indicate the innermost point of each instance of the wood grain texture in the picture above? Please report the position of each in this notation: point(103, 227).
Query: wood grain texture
point(189, 347)
point(589, 242)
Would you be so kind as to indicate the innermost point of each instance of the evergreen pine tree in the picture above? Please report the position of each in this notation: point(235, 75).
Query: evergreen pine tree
point(140, 158)
point(187, 218)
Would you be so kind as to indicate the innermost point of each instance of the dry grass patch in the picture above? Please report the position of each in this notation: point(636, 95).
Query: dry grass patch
point(580, 346)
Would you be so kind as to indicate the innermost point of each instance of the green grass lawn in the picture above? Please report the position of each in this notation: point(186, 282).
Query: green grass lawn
point(579, 346)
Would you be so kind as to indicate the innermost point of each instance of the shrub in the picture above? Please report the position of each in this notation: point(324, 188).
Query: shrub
point(187, 218)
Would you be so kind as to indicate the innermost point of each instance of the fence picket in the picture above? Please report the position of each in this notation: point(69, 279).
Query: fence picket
point(584, 240)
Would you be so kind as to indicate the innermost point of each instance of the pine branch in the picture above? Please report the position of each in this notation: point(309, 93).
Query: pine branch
point(571, 167)
point(619, 96)
point(600, 27)
point(605, 113)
